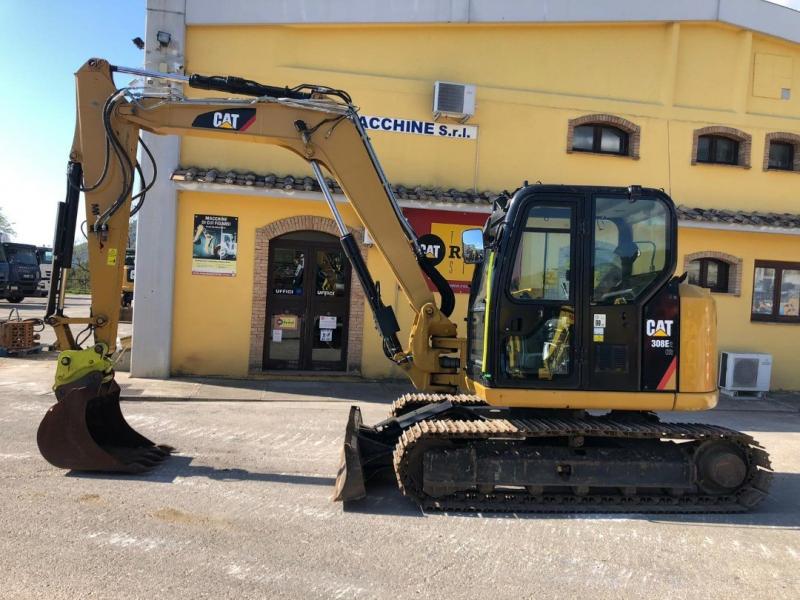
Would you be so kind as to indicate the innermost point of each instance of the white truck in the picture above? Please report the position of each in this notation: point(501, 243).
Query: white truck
point(45, 257)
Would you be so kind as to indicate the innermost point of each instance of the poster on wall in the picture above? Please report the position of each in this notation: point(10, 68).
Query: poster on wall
point(439, 234)
point(214, 245)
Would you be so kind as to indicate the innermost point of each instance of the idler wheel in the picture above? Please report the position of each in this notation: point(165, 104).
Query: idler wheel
point(721, 467)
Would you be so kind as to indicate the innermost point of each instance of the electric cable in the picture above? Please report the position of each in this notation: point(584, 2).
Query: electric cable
point(141, 195)
point(88, 331)
point(126, 166)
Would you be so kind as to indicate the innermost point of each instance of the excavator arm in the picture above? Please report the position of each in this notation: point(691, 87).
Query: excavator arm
point(316, 123)
point(85, 430)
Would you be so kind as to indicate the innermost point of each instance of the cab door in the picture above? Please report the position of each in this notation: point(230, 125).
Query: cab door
point(539, 328)
point(632, 258)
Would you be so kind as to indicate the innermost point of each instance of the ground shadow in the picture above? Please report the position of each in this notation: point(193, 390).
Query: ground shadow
point(180, 466)
point(384, 498)
point(321, 390)
point(779, 510)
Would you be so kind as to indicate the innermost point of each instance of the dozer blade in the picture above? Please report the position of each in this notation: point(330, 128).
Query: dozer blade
point(85, 431)
point(350, 483)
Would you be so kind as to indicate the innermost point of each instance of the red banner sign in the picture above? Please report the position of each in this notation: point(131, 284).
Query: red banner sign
point(440, 236)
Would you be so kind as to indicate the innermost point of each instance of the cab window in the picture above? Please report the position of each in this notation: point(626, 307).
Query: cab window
point(477, 319)
point(21, 256)
point(541, 266)
point(631, 247)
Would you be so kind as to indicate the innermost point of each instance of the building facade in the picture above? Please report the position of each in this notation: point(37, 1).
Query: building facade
point(701, 99)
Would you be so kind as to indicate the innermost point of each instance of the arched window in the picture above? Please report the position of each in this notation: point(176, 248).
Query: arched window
point(709, 273)
point(603, 139)
point(717, 271)
point(603, 134)
point(717, 149)
point(782, 152)
point(720, 145)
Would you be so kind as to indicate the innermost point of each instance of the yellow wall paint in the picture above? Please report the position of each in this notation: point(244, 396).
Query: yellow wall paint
point(211, 315)
point(736, 333)
point(531, 79)
point(669, 79)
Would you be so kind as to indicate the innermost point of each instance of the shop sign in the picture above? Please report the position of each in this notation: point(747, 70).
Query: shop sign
point(439, 234)
point(214, 245)
point(428, 128)
point(433, 247)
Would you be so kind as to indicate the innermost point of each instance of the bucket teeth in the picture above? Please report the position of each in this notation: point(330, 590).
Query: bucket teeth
point(85, 431)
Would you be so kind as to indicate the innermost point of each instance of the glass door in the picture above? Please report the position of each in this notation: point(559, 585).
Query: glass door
point(308, 301)
point(287, 297)
point(330, 305)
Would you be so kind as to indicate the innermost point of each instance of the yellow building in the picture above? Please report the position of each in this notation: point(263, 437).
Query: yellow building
point(700, 99)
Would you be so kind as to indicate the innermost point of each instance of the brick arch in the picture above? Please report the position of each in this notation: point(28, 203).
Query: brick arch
point(783, 136)
point(259, 312)
point(633, 130)
point(734, 267)
point(745, 142)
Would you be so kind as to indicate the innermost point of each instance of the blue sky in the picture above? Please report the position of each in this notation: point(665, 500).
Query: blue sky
point(42, 42)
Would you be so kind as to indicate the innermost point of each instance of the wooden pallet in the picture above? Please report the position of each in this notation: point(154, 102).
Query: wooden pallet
point(20, 352)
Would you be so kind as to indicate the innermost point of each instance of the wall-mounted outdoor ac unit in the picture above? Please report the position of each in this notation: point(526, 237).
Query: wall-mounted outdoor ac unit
point(455, 100)
point(739, 372)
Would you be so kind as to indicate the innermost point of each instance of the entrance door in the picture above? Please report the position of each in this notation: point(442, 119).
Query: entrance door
point(308, 301)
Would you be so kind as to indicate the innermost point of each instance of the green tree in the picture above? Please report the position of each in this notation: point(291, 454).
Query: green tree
point(78, 278)
point(6, 226)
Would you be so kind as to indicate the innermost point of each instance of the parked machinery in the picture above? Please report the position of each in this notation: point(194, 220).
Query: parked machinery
point(44, 256)
point(574, 307)
point(22, 270)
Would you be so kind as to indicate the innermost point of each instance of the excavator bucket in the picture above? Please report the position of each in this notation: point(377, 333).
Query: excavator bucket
point(85, 431)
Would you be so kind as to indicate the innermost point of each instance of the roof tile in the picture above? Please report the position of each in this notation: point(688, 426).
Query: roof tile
point(305, 183)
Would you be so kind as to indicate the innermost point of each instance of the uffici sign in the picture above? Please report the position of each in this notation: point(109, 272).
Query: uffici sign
point(428, 128)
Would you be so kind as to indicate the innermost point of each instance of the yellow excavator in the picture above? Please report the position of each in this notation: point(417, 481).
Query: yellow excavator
point(577, 331)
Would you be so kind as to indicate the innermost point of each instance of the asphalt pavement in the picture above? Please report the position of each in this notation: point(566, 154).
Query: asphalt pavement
point(244, 510)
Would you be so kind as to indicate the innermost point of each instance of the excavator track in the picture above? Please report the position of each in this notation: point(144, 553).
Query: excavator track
point(410, 402)
point(457, 453)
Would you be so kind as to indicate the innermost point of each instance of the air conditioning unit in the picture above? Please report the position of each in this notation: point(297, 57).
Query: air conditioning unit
point(744, 372)
point(455, 100)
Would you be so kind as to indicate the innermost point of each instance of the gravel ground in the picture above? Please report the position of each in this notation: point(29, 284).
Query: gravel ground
point(244, 511)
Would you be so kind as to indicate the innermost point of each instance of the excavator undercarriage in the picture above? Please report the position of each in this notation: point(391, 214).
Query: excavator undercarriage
point(457, 453)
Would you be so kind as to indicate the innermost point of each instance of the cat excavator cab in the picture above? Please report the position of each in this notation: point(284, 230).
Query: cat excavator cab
point(577, 332)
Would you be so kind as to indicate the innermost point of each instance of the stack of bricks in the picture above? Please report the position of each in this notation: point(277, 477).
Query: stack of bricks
point(17, 335)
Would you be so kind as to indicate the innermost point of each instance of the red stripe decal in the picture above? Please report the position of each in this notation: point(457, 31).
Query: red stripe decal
point(668, 374)
point(250, 122)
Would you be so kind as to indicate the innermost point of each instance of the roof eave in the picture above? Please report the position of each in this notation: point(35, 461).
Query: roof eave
point(756, 15)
